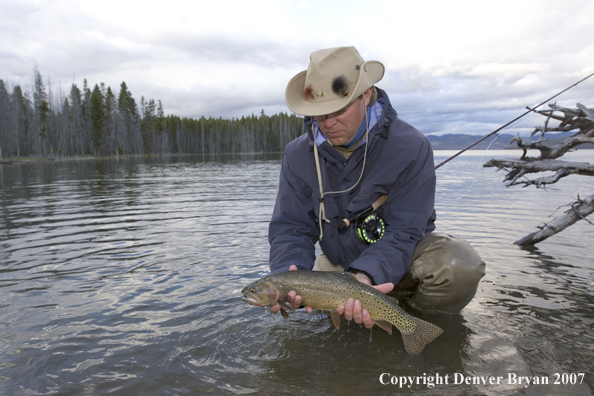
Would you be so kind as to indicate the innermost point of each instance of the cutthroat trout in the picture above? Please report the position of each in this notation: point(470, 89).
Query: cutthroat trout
point(327, 290)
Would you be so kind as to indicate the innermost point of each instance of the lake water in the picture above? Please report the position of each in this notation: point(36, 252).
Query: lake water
point(124, 278)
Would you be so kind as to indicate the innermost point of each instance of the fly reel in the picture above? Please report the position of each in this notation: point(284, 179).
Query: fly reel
point(370, 228)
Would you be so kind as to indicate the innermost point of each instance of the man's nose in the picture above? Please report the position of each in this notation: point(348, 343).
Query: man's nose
point(329, 121)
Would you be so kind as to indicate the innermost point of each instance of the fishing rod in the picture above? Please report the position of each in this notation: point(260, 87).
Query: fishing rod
point(511, 122)
point(370, 227)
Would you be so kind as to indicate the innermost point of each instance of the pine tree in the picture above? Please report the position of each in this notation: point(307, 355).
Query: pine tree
point(67, 121)
point(130, 119)
point(4, 119)
point(20, 107)
point(112, 122)
point(97, 116)
point(77, 135)
point(147, 125)
point(40, 101)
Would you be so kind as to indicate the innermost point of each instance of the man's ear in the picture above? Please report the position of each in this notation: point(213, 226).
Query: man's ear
point(367, 96)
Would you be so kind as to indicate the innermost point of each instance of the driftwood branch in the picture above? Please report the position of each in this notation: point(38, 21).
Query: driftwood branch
point(587, 112)
point(557, 150)
point(578, 211)
point(577, 118)
point(581, 120)
point(519, 168)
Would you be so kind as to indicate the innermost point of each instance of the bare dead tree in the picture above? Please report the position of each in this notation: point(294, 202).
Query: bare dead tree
point(580, 120)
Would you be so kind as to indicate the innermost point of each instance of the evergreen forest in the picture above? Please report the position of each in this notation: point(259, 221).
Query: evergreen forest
point(100, 122)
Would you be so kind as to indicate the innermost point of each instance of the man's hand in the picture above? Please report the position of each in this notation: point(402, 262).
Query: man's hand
point(352, 309)
point(293, 295)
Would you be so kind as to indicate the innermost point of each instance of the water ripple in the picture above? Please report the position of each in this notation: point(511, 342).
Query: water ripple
point(125, 278)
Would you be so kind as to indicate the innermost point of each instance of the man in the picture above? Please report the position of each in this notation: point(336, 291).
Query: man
point(358, 154)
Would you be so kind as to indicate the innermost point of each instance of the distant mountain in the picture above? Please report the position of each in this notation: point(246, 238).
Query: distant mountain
point(459, 141)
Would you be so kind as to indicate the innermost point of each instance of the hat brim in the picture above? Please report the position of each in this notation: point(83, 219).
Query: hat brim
point(371, 73)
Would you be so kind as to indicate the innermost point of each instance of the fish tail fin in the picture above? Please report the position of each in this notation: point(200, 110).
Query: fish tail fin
point(424, 333)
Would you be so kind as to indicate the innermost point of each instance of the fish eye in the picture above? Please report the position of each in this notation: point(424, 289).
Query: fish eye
point(252, 290)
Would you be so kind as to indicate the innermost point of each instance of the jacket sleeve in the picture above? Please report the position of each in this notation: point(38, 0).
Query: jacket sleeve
point(292, 232)
point(408, 211)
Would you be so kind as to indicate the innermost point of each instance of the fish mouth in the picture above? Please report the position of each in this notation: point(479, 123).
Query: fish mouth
point(251, 300)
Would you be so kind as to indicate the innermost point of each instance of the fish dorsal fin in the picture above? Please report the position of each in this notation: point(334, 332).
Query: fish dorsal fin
point(384, 325)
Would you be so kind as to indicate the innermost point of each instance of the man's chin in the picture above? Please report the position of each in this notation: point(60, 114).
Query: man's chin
point(337, 141)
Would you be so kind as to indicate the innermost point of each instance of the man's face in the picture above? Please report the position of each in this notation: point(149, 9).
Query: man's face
point(342, 126)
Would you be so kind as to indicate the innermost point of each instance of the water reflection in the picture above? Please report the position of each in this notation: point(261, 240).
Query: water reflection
point(123, 277)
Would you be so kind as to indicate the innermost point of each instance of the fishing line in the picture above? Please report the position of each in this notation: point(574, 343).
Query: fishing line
point(477, 170)
point(511, 122)
point(483, 156)
point(498, 135)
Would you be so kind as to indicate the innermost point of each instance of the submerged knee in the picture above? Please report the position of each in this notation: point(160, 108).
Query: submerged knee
point(447, 271)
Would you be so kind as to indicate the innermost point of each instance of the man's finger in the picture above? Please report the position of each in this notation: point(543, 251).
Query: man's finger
point(275, 308)
point(348, 309)
point(357, 314)
point(367, 319)
point(297, 301)
point(384, 287)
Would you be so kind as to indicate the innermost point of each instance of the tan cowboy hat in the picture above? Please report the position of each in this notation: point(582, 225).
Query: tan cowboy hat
point(334, 78)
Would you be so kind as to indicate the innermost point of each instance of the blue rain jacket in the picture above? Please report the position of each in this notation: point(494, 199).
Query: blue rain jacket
point(399, 163)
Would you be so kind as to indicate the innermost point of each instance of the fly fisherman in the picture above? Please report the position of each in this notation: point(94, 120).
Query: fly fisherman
point(357, 157)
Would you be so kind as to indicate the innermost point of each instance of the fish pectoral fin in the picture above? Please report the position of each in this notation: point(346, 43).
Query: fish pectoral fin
point(384, 325)
point(335, 319)
point(287, 303)
point(284, 313)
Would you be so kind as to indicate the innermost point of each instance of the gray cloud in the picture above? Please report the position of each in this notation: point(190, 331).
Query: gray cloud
point(201, 61)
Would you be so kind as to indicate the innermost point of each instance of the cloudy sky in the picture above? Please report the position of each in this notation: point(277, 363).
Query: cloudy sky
point(458, 66)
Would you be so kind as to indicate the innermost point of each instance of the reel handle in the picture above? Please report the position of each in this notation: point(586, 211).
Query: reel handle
point(345, 223)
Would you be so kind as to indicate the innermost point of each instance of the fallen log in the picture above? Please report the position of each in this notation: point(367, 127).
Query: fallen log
point(578, 211)
point(580, 119)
